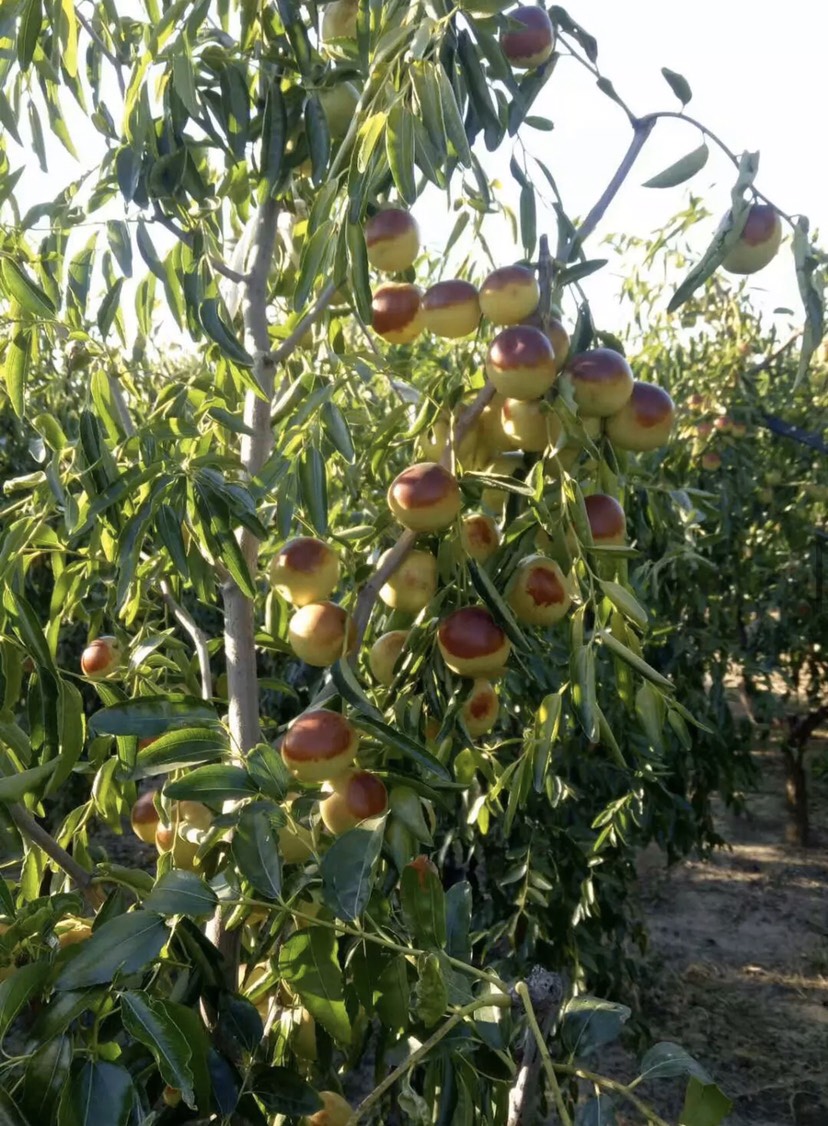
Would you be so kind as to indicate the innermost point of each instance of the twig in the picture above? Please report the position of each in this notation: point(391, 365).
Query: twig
point(93, 35)
point(44, 840)
point(642, 128)
point(187, 238)
point(199, 638)
point(546, 1060)
point(290, 343)
point(611, 1085)
point(497, 999)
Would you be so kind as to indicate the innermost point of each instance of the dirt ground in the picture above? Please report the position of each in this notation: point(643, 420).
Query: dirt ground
point(737, 970)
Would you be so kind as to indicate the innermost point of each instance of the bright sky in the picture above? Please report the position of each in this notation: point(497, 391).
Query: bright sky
point(755, 83)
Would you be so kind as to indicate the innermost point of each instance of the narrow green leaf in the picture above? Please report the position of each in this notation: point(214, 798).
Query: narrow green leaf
point(681, 170)
point(146, 1020)
point(423, 903)
point(360, 278)
point(256, 851)
point(28, 33)
point(400, 150)
point(308, 963)
point(217, 330)
point(16, 368)
point(635, 662)
point(26, 292)
point(18, 989)
point(212, 785)
point(147, 716)
point(678, 84)
point(313, 483)
point(452, 119)
point(98, 1084)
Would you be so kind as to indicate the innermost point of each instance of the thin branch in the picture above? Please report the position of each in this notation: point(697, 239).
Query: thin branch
point(642, 129)
point(116, 62)
point(290, 343)
point(546, 1060)
point(189, 240)
point(44, 840)
point(496, 999)
point(611, 1085)
point(199, 638)
point(370, 592)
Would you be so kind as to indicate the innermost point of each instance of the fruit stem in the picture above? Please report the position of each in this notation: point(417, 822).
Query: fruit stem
point(199, 638)
point(500, 1000)
point(45, 841)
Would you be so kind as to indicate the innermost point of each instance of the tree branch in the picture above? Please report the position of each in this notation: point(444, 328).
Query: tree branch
point(496, 999)
point(642, 128)
point(199, 638)
point(40, 837)
point(93, 35)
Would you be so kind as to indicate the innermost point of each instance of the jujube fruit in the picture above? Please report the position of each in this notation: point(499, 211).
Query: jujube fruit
point(320, 633)
point(758, 242)
point(645, 421)
point(357, 795)
point(305, 570)
point(318, 745)
point(397, 312)
point(472, 644)
point(509, 295)
point(520, 362)
point(414, 583)
point(425, 497)
point(601, 380)
point(538, 592)
point(392, 239)
point(451, 309)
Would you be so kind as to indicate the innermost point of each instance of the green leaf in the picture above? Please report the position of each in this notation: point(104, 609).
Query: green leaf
point(313, 482)
point(282, 1091)
point(26, 292)
point(189, 746)
point(704, 1104)
point(47, 1072)
point(217, 330)
point(681, 170)
point(528, 221)
point(452, 120)
point(146, 1019)
point(499, 610)
point(319, 139)
point(148, 716)
point(125, 944)
point(348, 871)
point(726, 236)
point(14, 787)
point(98, 1084)
point(268, 771)
point(597, 1111)
point(635, 662)
point(316, 257)
point(308, 963)
point(400, 150)
point(274, 127)
point(338, 431)
point(399, 741)
point(16, 368)
point(667, 1060)
point(72, 731)
point(423, 903)
point(212, 785)
point(360, 278)
point(110, 306)
point(590, 1022)
point(17, 990)
point(181, 893)
point(582, 672)
point(255, 850)
point(28, 33)
point(625, 602)
point(678, 84)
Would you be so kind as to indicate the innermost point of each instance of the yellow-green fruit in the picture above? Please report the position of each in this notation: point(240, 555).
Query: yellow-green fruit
point(320, 633)
point(383, 655)
point(168, 839)
point(303, 1040)
point(339, 20)
point(645, 421)
point(305, 570)
point(397, 312)
point(479, 536)
point(480, 711)
point(339, 104)
point(451, 309)
point(414, 583)
point(506, 465)
point(392, 240)
point(318, 745)
point(509, 295)
point(601, 381)
point(101, 657)
point(538, 592)
point(530, 425)
point(425, 497)
point(295, 843)
point(336, 1111)
point(758, 242)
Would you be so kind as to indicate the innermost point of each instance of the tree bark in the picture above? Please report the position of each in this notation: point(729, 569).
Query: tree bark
point(800, 730)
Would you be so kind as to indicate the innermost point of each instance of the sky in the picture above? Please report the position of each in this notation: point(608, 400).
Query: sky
point(756, 82)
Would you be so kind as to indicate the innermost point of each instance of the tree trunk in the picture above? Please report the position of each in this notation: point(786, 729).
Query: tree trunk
point(800, 730)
